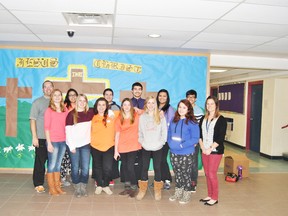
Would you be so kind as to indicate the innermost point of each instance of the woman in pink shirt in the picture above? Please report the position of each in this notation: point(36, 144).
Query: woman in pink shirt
point(54, 126)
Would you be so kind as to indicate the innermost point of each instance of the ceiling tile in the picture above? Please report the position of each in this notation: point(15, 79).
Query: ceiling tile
point(148, 42)
point(18, 37)
point(6, 17)
point(258, 14)
point(39, 17)
point(279, 42)
point(185, 8)
point(269, 2)
point(161, 23)
point(143, 33)
point(229, 38)
point(14, 28)
point(270, 49)
point(244, 28)
point(216, 46)
point(87, 6)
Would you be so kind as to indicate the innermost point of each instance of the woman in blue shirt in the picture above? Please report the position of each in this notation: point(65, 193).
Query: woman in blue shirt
point(183, 134)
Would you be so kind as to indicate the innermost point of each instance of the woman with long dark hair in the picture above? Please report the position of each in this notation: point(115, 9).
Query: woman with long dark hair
point(163, 102)
point(65, 171)
point(183, 134)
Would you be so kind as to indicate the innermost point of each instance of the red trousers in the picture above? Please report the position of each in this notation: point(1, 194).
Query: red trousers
point(211, 164)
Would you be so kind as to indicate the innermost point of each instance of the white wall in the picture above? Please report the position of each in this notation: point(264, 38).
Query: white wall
point(266, 140)
point(280, 118)
point(238, 135)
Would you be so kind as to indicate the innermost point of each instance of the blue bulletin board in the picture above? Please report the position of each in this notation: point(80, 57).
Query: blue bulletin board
point(90, 72)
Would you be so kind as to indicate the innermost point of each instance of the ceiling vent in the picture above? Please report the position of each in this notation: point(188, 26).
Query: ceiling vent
point(88, 19)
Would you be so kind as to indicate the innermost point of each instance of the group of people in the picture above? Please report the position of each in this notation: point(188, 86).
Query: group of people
point(133, 133)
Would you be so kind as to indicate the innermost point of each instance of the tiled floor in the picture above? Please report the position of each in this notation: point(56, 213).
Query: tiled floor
point(265, 192)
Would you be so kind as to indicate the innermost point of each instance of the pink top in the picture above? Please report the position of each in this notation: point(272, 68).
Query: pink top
point(55, 123)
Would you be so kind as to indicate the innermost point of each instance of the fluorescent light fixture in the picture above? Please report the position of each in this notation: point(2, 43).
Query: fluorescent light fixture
point(217, 70)
point(154, 35)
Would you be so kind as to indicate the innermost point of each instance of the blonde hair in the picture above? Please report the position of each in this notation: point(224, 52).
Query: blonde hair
point(156, 113)
point(76, 109)
point(52, 104)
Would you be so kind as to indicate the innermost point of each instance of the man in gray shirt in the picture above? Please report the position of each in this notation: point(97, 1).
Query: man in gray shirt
point(38, 136)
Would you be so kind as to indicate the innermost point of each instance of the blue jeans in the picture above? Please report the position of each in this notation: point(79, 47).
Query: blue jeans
point(80, 164)
point(55, 158)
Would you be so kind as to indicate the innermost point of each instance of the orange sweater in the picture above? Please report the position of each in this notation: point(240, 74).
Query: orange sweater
point(128, 138)
point(102, 138)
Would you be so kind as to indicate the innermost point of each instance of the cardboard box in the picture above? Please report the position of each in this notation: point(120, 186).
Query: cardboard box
point(231, 163)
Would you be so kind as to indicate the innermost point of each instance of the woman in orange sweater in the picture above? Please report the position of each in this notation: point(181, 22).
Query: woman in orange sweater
point(127, 145)
point(102, 143)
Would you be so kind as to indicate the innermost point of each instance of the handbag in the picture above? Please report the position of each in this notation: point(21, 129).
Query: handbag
point(231, 177)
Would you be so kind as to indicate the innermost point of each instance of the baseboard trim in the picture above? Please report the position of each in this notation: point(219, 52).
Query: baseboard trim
point(261, 154)
point(271, 157)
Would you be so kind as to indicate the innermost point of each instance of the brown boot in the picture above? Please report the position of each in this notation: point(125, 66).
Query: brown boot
point(158, 185)
point(51, 185)
point(57, 183)
point(142, 189)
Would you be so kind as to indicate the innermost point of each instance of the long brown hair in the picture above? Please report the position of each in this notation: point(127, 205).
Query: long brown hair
point(52, 104)
point(122, 112)
point(156, 115)
point(216, 101)
point(76, 109)
point(105, 116)
point(189, 115)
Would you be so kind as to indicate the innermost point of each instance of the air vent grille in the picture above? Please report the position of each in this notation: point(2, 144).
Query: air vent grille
point(88, 19)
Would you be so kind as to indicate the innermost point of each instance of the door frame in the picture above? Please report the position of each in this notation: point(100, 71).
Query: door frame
point(249, 98)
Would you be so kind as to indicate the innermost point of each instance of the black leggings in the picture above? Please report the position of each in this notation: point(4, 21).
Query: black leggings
point(156, 156)
point(128, 172)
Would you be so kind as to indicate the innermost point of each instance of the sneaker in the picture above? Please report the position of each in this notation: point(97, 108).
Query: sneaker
point(124, 193)
point(111, 183)
point(98, 190)
point(107, 191)
point(167, 185)
point(193, 189)
point(132, 193)
point(40, 189)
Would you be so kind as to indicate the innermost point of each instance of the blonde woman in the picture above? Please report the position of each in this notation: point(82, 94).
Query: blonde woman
point(152, 137)
point(54, 126)
point(78, 138)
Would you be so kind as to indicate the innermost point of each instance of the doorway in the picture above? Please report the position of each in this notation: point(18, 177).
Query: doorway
point(254, 115)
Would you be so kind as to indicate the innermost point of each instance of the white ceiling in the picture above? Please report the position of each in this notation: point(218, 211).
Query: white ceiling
point(238, 27)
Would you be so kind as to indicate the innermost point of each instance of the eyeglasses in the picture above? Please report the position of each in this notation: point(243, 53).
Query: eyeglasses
point(72, 95)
